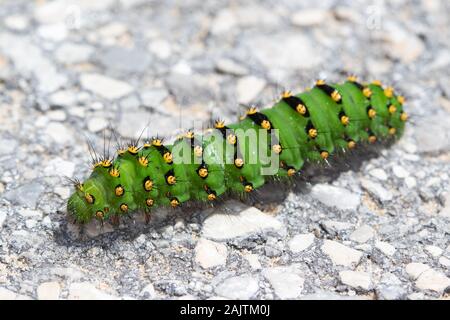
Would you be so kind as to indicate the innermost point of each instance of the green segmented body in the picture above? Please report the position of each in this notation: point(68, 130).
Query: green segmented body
point(311, 126)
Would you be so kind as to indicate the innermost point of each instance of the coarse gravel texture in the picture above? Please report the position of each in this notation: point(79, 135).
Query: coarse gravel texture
point(69, 69)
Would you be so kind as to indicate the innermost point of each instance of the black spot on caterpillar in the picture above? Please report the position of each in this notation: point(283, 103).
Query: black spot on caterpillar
point(241, 157)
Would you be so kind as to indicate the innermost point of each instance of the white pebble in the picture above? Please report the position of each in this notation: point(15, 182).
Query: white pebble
point(59, 167)
point(30, 223)
point(87, 291)
point(301, 242)
point(340, 254)
point(253, 261)
point(16, 22)
point(444, 261)
point(285, 281)
point(209, 254)
point(58, 132)
point(222, 226)
point(410, 182)
point(363, 234)
point(309, 17)
point(96, 124)
point(248, 88)
point(57, 115)
point(433, 250)
point(239, 287)
point(433, 280)
point(48, 291)
point(385, 247)
point(378, 173)
point(415, 269)
point(104, 86)
point(400, 172)
point(356, 279)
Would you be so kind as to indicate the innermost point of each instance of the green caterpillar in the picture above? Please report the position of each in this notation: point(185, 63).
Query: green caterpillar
point(307, 127)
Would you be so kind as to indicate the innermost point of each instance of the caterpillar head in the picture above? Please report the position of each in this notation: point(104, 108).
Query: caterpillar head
point(88, 202)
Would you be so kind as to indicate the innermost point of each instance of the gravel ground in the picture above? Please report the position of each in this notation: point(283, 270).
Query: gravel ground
point(68, 69)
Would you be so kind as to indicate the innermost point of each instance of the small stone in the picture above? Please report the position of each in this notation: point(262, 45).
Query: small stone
point(445, 212)
point(28, 213)
point(53, 32)
point(410, 182)
point(222, 226)
point(70, 53)
point(87, 291)
point(309, 17)
point(153, 98)
point(16, 22)
point(442, 260)
point(210, 254)
point(332, 196)
point(50, 12)
point(106, 87)
point(6, 294)
point(434, 251)
point(124, 59)
point(356, 279)
point(378, 173)
point(223, 22)
point(401, 44)
point(341, 254)
point(415, 269)
point(363, 234)
point(182, 68)
point(172, 287)
point(30, 223)
point(248, 88)
point(285, 50)
point(230, 67)
point(8, 146)
point(26, 195)
point(112, 30)
point(301, 242)
point(59, 167)
point(138, 118)
point(47, 222)
point(433, 280)
point(416, 296)
point(376, 190)
point(286, 283)
point(2, 218)
point(58, 132)
point(160, 48)
point(63, 192)
point(335, 227)
point(49, 291)
point(253, 261)
point(57, 115)
point(63, 98)
point(239, 287)
point(400, 172)
point(432, 134)
point(30, 60)
point(96, 124)
point(149, 291)
point(385, 247)
point(130, 102)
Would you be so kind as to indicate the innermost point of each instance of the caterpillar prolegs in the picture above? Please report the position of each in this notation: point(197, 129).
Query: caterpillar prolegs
point(307, 127)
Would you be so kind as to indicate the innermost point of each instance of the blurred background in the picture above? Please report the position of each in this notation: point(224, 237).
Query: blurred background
point(69, 69)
